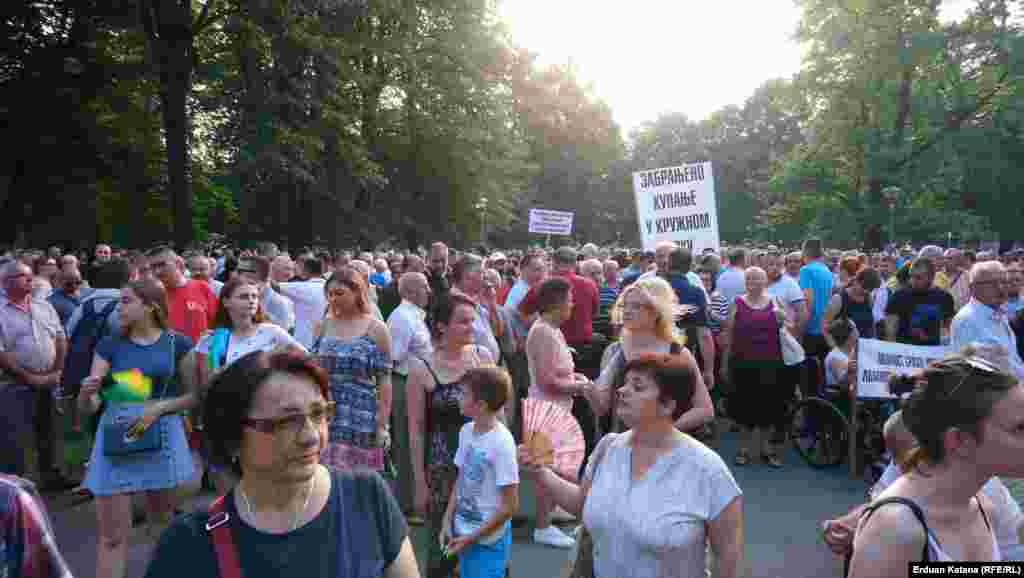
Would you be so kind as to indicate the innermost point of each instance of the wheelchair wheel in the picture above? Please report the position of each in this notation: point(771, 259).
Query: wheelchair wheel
point(819, 432)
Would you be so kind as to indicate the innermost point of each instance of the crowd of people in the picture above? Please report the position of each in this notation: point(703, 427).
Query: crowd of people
point(195, 368)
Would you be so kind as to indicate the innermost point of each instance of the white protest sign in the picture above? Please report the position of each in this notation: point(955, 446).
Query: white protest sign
point(876, 360)
point(548, 222)
point(678, 204)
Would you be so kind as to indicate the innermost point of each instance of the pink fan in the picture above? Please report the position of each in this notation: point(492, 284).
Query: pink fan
point(551, 435)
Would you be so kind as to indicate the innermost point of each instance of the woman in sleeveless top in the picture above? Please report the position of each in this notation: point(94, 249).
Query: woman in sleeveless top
point(752, 360)
point(645, 310)
point(553, 379)
point(966, 415)
point(854, 303)
point(355, 350)
point(434, 391)
point(840, 363)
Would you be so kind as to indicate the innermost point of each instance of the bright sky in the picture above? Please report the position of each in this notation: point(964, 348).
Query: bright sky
point(646, 57)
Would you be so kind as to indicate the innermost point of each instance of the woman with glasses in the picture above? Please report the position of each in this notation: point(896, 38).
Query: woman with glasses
point(355, 349)
point(289, 515)
point(967, 418)
point(136, 376)
point(238, 330)
point(646, 311)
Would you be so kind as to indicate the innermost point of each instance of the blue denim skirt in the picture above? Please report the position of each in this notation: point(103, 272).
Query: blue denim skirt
point(163, 469)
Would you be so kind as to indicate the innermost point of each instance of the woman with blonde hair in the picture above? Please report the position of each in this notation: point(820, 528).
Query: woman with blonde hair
point(646, 311)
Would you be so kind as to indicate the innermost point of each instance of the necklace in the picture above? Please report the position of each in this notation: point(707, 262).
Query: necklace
point(295, 516)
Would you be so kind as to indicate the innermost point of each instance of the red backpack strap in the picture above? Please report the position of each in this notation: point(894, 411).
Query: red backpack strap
point(223, 543)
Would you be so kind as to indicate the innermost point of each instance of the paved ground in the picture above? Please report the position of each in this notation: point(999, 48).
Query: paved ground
point(783, 510)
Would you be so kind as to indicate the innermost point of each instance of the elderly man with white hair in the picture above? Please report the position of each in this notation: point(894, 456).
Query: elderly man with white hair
point(936, 254)
point(984, 320)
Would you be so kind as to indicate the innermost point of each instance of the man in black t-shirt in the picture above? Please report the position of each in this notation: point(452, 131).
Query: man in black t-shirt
point(918, 314)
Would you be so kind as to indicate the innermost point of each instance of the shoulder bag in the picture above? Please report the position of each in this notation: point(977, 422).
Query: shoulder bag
point(583, 566)
point(792, 351)
point(116, 439)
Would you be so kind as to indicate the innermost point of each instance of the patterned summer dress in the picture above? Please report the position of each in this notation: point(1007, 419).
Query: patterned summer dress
point(354, 367)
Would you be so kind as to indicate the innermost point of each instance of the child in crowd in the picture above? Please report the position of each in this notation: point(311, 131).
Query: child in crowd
point(477, 524)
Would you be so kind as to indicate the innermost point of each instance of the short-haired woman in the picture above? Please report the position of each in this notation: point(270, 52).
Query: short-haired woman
point(653, 496)
point(752, 360)
point(967, 417)
point(355, 349)
point(289, 515)
point(434, 393)
point(552, 378)
point(238, 330)
point(145, 351)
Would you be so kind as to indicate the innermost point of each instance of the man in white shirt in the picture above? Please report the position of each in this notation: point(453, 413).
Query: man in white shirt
point(786, 290)
point(731, 282)
point(410, 338)
point(309, 299)
point(984, 320)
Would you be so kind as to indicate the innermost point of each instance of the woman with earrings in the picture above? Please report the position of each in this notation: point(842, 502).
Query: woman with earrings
point(355, 349)
point(238, 329)
point(289, 515)
point(434, 392)
point(142, 362)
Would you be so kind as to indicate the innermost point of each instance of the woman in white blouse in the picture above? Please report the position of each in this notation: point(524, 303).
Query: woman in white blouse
point(652, 497)
point(552, 378)
point(238, 330)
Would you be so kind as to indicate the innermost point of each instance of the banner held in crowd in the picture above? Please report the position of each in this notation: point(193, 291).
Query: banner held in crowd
point(548, 222)
point(877, 360)
point(678, 204)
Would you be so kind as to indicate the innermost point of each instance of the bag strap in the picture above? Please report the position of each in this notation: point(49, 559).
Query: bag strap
point(918, 513)
point(217, 525)
point(430, 369)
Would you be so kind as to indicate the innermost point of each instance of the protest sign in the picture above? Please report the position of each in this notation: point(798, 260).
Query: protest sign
point(876, 360)
point(677, 204)
point(548, 222)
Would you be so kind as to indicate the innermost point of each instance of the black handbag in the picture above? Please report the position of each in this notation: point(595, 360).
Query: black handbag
point(117, 440)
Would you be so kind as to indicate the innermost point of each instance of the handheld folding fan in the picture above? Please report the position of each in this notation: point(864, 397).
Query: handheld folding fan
point(552, 436)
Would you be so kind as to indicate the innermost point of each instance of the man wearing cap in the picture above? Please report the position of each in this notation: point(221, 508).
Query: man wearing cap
point(642, 261)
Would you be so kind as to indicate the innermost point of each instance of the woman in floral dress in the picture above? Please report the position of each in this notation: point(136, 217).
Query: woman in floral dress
point(355, 350)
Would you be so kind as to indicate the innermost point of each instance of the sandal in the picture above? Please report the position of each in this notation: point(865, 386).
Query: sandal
point(742, 458)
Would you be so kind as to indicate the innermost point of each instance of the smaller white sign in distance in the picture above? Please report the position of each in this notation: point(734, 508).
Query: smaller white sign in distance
point(678, 204)
point(545, 222)
point(877, 360)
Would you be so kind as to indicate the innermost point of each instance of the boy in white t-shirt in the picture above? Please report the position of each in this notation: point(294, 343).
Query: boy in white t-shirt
point(477, 524)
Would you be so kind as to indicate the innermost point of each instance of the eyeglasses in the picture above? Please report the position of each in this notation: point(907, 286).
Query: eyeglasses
point(982, 365)
point(292, 424)
point(1004, 282)
point(159, 265)
point(241, 270)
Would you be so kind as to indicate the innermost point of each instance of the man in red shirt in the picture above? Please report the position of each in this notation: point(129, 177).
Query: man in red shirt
point(191, 304)
point(579, 329)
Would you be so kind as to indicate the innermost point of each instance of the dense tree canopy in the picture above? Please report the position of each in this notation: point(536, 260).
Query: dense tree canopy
point(356, 123)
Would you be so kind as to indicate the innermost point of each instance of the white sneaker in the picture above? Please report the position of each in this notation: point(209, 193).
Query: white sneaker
point(552, 536)
point(561, 516)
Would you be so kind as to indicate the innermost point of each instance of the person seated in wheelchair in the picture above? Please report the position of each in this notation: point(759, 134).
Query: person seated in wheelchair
point(841, 361)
